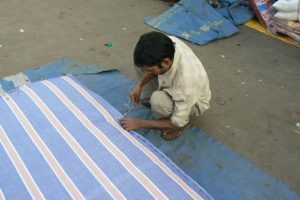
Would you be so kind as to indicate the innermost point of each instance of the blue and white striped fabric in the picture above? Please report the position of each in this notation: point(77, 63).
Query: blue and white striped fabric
point(61, 141)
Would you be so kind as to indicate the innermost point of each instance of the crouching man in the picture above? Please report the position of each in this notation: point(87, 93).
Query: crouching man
point(183, 86)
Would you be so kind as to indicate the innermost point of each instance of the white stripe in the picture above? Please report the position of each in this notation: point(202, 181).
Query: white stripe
point(133, 140)
point(20, 166)
point(117, 153)
point(44, 150)
point(74, 145)
point(2, 197)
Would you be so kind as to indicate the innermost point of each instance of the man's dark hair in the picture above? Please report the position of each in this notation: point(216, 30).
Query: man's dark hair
point(152, 48)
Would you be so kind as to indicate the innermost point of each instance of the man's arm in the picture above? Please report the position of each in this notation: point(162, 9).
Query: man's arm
point(136, 91)
point(131, 124)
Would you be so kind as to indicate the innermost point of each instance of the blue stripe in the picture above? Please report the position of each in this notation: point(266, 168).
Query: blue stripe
point(72, 165)
point(11, 184)
point(150, 169)
point(112, 110)
point(115, 113)
point(79, 174)
point(190, 182)
point(32, 158)
point(100, 155)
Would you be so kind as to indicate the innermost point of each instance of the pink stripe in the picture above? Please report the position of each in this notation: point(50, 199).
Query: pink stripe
point(80, 152)
point(44, 150)
point(17, 161)
point(118, 154)
point(133, 140)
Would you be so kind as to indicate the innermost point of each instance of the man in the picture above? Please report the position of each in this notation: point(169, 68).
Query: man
point(183, 85)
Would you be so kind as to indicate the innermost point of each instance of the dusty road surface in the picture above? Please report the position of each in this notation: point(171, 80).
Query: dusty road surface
point(255, 79)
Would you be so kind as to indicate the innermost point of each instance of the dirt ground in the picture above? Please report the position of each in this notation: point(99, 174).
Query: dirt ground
point(255, 85)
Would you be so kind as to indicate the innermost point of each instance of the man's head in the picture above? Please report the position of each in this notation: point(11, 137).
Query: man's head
point(154, 53)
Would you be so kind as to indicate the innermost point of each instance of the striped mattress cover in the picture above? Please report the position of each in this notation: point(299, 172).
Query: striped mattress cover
point(58, 140)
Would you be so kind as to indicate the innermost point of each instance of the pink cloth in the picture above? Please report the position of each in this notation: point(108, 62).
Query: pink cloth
point(286, 27)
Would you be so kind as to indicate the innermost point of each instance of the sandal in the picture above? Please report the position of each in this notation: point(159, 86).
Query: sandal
point(173, 134)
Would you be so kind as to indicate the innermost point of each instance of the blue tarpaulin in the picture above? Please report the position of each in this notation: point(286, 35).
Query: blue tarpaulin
point(236, 14)
point(199, 22)
point(221, 171)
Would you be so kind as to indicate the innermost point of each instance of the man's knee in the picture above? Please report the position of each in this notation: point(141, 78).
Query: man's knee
point(161, 104)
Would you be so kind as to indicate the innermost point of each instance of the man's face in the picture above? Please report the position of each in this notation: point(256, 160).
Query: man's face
point(158, 70)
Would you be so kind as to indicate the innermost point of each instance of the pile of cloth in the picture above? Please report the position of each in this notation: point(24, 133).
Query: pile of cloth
point(263, 10)
point(201, 21)
point(286, 19)
point(279, 17)
point(237, 12)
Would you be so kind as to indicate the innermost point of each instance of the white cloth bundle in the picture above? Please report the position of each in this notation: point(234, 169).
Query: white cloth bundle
point(288, 15)
point(287, 9)
point(286, 5)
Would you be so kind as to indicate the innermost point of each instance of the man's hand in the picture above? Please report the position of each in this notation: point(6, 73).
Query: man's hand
point(135, 95)
point(130, 124)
